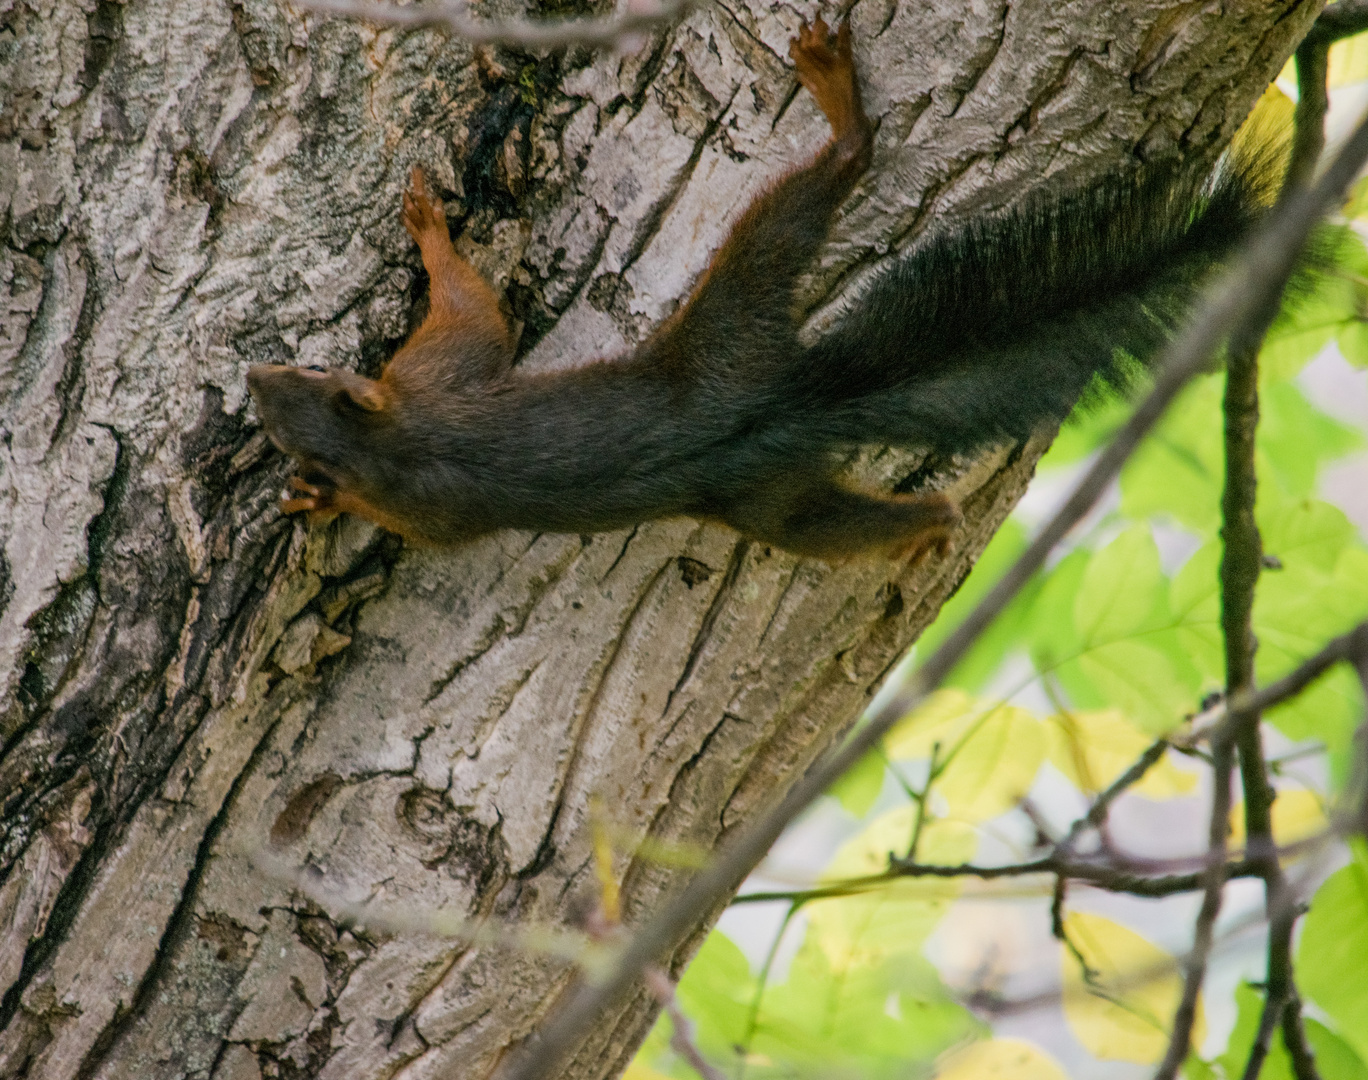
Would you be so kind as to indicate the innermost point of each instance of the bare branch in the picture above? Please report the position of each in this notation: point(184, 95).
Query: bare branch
point(1097, 812)
point(1242, 296)
point(451, 15)
point(546, 940)
point(1241, 562)
point(681, 1037)
point(1340, 20)
point(1346, 647)
point(1195, 963)
point(1313, 102)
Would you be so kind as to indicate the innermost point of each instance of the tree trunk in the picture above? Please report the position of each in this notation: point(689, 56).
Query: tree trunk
point(188, 187)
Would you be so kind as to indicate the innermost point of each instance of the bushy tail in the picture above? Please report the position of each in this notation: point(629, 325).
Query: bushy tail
point(981, 334)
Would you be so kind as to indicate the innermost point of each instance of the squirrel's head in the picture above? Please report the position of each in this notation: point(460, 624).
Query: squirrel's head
point(326, 418)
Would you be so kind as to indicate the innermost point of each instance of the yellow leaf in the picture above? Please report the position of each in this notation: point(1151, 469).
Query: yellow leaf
point(1093, 748)
point(1010, 1059)
point(863, 930)
point(941, 719)
point(1296, 814)
point(946, 843)
point(987, 754)
point(1348, 61)
point(1124, 1012)
point(638, 1071)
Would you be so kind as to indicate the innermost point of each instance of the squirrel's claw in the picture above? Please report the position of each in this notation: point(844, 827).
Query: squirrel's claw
point(422, 211)
point(313, 498)
point(825, 65)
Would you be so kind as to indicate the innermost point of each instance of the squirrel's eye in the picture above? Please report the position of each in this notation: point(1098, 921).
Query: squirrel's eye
point(315, 367)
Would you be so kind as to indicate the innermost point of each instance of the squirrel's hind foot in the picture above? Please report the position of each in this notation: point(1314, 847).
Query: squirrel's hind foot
point(423, 213)
point(827, 68)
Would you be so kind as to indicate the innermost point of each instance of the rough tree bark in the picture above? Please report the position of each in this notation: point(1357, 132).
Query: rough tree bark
point(190, 186)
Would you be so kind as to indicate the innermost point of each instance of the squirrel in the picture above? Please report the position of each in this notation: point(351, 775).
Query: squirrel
point(979, 336)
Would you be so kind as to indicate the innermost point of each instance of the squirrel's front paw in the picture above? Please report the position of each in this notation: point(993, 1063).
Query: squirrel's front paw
point(316, 499)
point(422, 211)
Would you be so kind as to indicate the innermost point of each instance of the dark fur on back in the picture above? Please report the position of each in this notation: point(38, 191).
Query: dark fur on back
point(985, 331)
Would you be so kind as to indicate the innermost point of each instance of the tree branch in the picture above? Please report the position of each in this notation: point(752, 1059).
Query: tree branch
point(1345, 647)
point(1214, 879)
point(1097, 812)
point(1313, 102)
point(1340, 20)
point(662, 987)
point(452, 16)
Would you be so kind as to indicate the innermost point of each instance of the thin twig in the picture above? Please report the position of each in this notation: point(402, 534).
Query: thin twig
point(1244, 293)
point(682, 1034)
point(1241, 556)
point(1275, 693)
point(762, 981)
point(1339, 20)
point(1240, 566)
point(1203, 936)
point(453, 17)
point(1110, 878)
point(1097, 812)
point(537, 939)
point(1313, 102)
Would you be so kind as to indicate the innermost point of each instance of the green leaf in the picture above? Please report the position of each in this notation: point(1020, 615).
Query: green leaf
point(716, 992)
point(1335, 1058)
point(1049, 631)
point(1005, 633)
point(1123, 589)
point(886, 1018)
point(1295, 439)
point(987, 753)
point(1194, 1068)
point(1304, 531)
point(1195, 602)
point(1334, 945)
point(1328, 711)
point(1178, 471)
point(1147, 682)
point(1128, 653)
point(1329, 303)
point(867, 852)
point(858, 789)
point(1249, 1003)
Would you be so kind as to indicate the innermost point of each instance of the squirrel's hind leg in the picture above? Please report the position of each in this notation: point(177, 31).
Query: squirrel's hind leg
point(464, 325)
point(741, 311)
point(824, 519)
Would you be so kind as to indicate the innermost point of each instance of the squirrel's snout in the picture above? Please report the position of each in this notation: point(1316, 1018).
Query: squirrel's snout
point(259, 375)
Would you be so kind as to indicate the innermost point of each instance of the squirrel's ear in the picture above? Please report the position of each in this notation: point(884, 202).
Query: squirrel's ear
point(359, 391)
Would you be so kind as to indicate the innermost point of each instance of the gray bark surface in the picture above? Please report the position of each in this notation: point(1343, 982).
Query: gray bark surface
point(186, 678)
